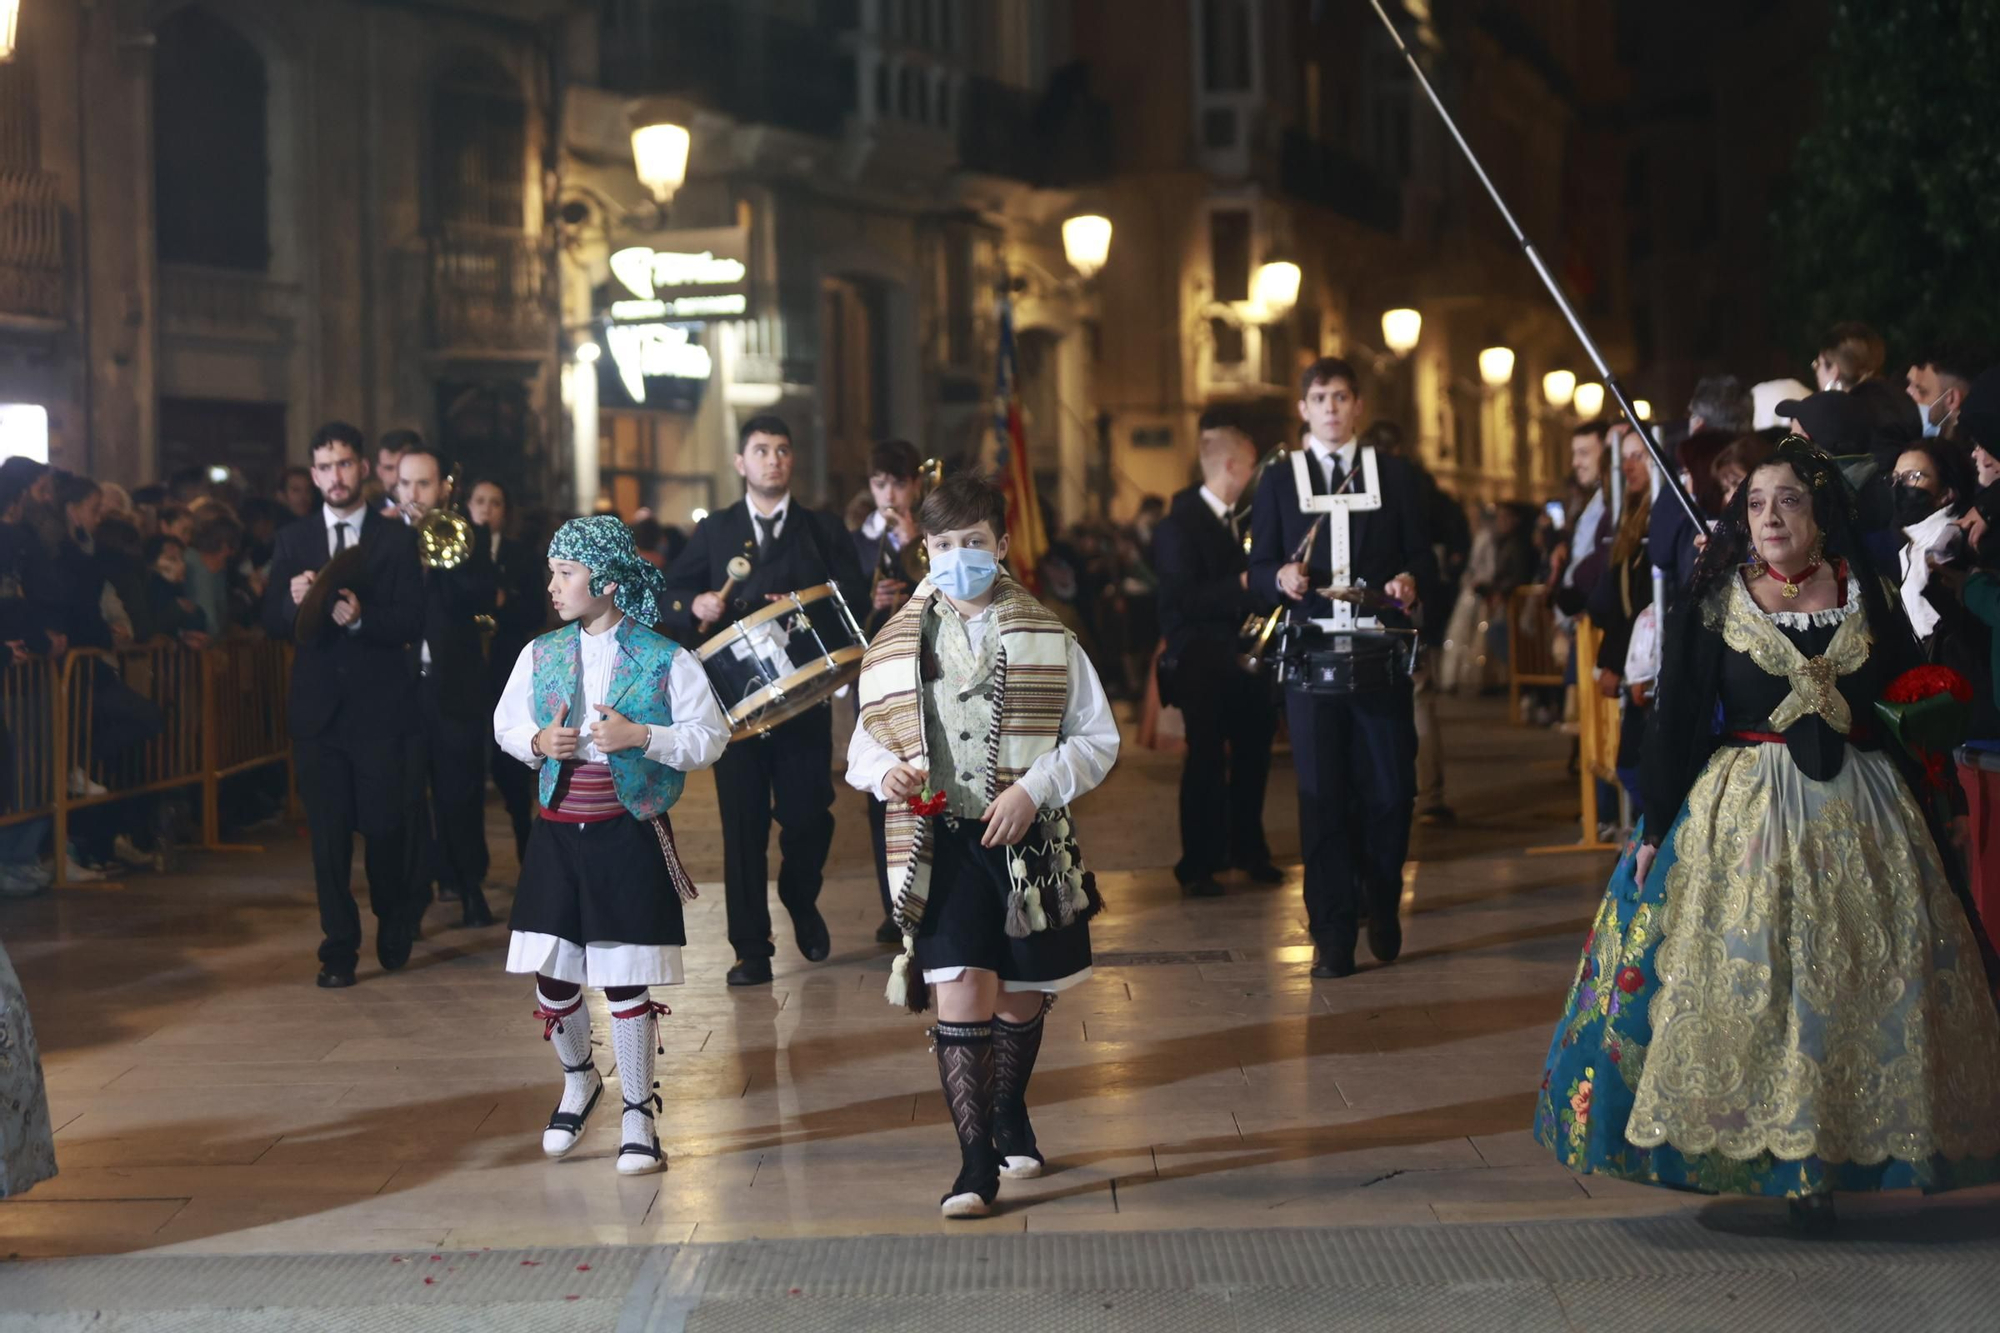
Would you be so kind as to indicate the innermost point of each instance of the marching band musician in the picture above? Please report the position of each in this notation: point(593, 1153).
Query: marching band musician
point(613, 716)
point(352, 702)
point(1231, 716)
point(453, 699)
point(790, 767)
point(883, 543)
point(1355, 752)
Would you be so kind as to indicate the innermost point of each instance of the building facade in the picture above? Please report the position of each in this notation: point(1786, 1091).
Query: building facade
point(231, 220)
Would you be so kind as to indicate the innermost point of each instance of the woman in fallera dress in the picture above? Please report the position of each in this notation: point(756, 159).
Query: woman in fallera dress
point(1783, 994)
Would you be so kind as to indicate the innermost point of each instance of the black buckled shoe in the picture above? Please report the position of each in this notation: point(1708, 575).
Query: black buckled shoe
point(809, 930)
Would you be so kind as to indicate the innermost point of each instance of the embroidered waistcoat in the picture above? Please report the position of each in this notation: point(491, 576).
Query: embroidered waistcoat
point(639, 690)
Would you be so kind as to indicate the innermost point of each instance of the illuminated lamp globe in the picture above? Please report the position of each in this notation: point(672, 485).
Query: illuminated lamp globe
point(1643, 408)
point(1496, 365)
point(1559, 387)
point(660, 157)
point(10, 26)
point(1589, 399)
point(1275, 290)
point(587, 352)
point(1087, 243)
point(1401, 328)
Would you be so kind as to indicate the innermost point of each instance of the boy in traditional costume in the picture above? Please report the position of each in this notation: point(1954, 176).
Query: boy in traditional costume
point(613, 714)
point(981, 720)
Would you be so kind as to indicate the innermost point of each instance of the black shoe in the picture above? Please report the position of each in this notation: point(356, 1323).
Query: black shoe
point(1812, 1215)
point(809, 929)
point(1385, 936)
point(1205, 887)
point(1329, 965)
point(1437, 814)
point(888, 932)
point(750, 972)
point(1264, 872)
point(392, 948)
point(335, 978)
point(476, 913)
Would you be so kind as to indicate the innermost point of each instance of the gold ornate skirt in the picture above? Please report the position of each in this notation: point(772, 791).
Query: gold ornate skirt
point(1820, 993)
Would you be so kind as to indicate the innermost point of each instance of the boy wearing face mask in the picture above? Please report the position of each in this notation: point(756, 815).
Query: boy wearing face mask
point(981, 721)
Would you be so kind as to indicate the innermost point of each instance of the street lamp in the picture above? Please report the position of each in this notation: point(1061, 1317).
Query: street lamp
point(1087, 243)
point(1643, 408)
point(1275, 289)
point(660, 157)
point(1559, 388)
point(1589, 400)
point(1496, 366)
point(10, 25)
point(1401, 328)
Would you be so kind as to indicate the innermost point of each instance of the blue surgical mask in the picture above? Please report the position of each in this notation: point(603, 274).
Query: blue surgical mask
point(1924, 410)
point(964, 572)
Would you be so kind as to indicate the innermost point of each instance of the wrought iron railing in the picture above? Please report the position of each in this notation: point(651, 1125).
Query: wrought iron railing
point(490, 289)
point(33, 275)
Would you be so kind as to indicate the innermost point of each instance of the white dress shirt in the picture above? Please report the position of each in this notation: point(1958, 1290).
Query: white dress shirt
point(1084, 754)
point(352, 518)
point(1214, 503)
point(1346, 453)
point(694, 741)
point(775, 519)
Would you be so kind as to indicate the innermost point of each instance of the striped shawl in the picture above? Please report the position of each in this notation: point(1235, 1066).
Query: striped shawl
point(1030, 693)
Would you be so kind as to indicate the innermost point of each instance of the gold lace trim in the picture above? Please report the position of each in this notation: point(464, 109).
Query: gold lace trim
point(1816, 680)
point(1820, 991)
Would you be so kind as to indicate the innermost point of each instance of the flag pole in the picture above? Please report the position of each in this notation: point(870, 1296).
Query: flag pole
point(1669, 475)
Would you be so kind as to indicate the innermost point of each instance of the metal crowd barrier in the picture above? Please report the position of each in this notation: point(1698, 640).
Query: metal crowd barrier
point(1531, 645)
point(204, 716)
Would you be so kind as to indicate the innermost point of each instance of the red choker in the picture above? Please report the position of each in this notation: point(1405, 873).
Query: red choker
point(1792, 584)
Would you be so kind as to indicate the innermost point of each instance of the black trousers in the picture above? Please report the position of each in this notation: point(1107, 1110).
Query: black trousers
point(454, 845)
point(1231, 719)
point(517, 783)
point(878, 838)
point(789, 770)
point(353, 780)
point(1356, 756)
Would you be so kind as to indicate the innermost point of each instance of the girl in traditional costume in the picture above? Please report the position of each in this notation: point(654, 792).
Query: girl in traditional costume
point(613, 715)
point(981, 721)
point(1783, 994)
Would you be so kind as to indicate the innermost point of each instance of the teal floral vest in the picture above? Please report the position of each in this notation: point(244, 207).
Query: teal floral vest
point(638, 690)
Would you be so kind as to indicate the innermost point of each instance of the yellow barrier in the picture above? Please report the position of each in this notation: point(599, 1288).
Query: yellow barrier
point(1597, 730)
point(27, 693)
point(1531, 651)
point(222, 712)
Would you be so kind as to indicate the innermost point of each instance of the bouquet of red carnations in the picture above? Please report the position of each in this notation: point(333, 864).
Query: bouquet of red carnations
point(1928, 709)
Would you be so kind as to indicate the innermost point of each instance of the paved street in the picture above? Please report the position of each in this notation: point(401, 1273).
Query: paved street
point(211, 1102)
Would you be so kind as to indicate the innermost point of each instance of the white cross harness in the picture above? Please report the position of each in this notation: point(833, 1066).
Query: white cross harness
point(1337, 508)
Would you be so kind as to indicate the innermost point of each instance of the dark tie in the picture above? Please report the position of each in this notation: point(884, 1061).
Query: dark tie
point(339, 538)
point(766, 533)
point(1336, 475)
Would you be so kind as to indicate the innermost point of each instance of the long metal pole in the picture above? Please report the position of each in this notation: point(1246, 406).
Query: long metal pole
point(1670, 476)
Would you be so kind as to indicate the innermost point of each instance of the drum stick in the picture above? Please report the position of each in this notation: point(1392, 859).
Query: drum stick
point(739, 569)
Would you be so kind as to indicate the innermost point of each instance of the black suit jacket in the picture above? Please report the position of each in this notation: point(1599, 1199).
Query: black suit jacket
point(813, 547)
point(1200, 566)
point(1384, 542)
point(452, 600)
point(371, 669)
point(523, 575)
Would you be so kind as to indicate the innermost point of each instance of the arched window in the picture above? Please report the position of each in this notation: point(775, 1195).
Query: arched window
point(210, 145)
point(479, 145)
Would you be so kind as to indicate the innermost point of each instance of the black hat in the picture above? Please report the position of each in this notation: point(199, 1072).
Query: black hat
point(1979, 415)
point(1833, 420)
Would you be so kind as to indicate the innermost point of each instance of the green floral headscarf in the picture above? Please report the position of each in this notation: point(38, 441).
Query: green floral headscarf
point(603, 545)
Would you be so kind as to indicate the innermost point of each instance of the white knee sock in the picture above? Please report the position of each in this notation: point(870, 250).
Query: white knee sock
point(567, 1026)
point(635, 1039)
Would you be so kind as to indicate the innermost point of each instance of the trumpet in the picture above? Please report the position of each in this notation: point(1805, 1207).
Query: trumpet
point(444, 539)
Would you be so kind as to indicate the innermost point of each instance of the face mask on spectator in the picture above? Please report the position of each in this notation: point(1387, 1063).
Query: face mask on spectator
point(1931, 428)
point(1914, 504)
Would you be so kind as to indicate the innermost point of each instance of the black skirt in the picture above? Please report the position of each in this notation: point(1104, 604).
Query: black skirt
point(965, 917)
point(599, 883)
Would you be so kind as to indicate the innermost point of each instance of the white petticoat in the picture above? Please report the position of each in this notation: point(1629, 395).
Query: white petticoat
point(601, 964)
point(933, 975)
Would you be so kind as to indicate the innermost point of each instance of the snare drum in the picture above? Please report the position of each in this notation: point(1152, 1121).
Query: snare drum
point(1359, 661)
point(775, 663)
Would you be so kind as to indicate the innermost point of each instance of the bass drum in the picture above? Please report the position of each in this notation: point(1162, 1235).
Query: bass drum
point(775, 663)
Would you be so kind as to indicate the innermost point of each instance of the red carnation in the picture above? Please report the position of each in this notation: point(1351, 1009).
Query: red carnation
point(928, 802)
point(1630, 979)
point(1924, 682)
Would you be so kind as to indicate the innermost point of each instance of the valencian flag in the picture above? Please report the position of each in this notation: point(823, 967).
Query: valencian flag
point(1028, 539)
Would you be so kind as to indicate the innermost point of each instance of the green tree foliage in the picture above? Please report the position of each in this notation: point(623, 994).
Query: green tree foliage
point(1892, 212)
